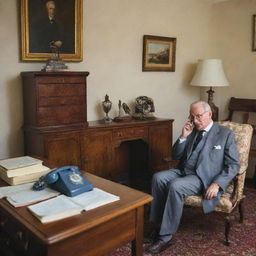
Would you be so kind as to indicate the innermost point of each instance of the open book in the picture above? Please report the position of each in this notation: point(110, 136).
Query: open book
point(21, 195)
point(62, 206)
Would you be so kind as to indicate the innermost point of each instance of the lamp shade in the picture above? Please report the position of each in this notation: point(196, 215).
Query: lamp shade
point(209, 73)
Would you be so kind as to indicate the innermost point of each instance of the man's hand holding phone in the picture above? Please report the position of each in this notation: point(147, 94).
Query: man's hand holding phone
point(187, 129)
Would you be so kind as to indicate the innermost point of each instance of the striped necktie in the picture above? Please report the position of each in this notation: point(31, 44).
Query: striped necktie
point(198, 138)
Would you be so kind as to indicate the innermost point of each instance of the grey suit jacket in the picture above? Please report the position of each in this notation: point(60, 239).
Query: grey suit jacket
point(218, 160)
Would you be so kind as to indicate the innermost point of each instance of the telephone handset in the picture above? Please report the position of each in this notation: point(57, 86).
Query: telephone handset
point(67, 180)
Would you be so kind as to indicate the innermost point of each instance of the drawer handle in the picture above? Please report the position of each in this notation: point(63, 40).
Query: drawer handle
point(25, 245)
point(3, 223)
point(7, 242)
point(19, 235)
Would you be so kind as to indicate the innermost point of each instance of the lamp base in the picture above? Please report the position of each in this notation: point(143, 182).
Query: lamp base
point(215, 109)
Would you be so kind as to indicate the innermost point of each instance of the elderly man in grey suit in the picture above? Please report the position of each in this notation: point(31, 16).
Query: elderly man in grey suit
point(208, 162)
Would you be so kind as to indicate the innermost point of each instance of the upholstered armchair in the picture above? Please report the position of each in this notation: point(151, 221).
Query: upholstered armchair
point(233, 197)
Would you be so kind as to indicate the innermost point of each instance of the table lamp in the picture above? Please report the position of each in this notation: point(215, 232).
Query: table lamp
point(210, 73)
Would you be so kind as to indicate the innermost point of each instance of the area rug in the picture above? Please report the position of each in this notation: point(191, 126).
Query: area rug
point(203, 234)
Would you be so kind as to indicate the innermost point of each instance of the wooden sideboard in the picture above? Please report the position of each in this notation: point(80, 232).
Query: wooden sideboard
point(56, 129)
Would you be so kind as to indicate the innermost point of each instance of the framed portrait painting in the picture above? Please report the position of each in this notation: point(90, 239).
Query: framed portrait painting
point(44, 23)
point(158, 53)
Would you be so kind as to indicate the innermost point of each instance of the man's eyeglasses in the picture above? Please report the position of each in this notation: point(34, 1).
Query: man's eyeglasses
point(198, 116)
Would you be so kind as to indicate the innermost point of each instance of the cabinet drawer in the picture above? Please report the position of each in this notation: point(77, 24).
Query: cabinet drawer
point(20, 240)
point(59, 115)
point(60, 90)
point(56, 101)
point(60, 80)
point(130, 133)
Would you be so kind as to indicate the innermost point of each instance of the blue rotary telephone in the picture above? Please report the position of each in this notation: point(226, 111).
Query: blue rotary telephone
point(67, 180)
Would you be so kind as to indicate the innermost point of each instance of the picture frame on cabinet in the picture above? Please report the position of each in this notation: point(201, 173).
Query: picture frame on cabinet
point(46, 22)
point(159, 53)
point(254, 32)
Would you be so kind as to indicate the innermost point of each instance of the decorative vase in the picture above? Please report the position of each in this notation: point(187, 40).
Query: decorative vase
point(107, 104)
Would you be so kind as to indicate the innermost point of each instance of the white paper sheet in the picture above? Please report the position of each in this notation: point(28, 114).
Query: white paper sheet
point(30, 196)
point(95, 198)
point(9, 190)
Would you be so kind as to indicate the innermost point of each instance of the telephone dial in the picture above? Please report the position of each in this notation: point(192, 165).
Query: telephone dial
point(67, 180)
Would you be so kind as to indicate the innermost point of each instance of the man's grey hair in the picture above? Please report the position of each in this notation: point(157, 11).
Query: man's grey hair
point(205, 105)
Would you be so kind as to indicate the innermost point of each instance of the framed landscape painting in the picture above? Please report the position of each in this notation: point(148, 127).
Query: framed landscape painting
point(254, 33)
point(158, 53)
point(45, 23)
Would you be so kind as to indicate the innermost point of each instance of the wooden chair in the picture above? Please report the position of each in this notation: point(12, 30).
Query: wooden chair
point(246, 107)
point(234, 196)
point(242, 105)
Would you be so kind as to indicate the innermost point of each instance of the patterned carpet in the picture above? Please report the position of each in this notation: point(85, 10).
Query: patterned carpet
point(203, 235)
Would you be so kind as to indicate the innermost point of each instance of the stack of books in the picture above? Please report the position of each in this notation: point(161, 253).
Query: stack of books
point(21, 170)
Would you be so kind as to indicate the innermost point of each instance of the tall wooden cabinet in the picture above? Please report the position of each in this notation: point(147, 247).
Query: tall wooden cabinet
point(56, 128)
point(54, 98)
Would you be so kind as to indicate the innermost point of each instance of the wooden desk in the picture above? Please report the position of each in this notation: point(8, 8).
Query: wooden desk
point(95, 232)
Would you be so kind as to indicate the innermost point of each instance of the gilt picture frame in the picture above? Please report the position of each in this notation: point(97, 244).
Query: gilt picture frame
point(158, 53)
point(254, 33)
point(44, 22)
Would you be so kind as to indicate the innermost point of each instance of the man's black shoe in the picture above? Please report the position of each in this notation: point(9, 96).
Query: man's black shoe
point(151, 237)
point(159, 246)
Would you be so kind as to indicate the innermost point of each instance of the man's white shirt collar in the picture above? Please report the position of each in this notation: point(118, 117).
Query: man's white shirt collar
point(207, 129)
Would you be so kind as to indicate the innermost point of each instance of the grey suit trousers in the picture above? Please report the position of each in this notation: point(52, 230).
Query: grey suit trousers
point(169, 189)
